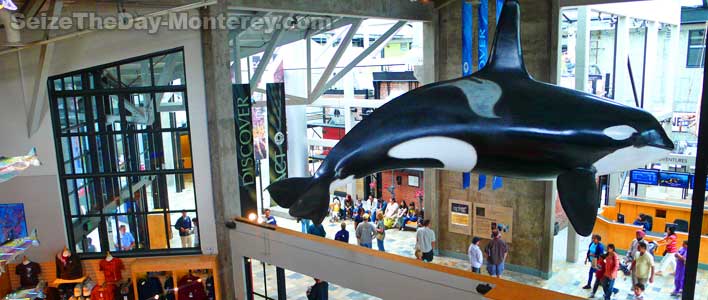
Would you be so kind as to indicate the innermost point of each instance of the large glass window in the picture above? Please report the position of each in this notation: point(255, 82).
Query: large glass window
point(696, 45)
point(125, 160)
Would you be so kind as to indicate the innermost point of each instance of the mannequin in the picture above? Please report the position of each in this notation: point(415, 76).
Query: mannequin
point(28, 271)
point(68, 265)
point(112, 268)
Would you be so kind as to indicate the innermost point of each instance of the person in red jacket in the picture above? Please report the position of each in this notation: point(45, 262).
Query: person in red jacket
point(611, 268)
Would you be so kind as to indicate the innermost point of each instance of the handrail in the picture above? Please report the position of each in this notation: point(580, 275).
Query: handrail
point(503, 289)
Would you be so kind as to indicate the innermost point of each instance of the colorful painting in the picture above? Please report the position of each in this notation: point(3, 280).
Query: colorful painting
point(10, 167)
point(12, 222)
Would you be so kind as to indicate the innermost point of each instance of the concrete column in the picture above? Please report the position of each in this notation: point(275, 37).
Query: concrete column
point(222, 147)
point(550, 219)
point(571, 254)
point(426, 74)
point(623, 86)
point(348, 82)
point(671, 67)
point(614, 182)
point(582, 49)
point(297, 140)
point(652, 100)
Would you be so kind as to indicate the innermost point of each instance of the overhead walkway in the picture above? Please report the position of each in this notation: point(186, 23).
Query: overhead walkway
point(380, 274)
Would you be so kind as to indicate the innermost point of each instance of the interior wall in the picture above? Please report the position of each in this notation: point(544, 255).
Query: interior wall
point(532, 237)
point(38, 187)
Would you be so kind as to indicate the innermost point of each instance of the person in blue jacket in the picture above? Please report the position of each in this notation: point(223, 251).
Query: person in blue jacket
point(595, 250)
point(342, 235)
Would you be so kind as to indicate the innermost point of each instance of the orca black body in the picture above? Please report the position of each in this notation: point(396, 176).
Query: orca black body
point(498, 121)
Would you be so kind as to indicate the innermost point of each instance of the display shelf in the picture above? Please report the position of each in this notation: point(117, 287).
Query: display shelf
point(177, 267)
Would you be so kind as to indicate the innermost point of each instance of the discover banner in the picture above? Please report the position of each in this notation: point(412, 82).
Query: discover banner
point(243, 117)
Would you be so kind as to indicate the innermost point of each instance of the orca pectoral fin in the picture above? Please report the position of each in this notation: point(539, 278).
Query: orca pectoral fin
point(578, 196)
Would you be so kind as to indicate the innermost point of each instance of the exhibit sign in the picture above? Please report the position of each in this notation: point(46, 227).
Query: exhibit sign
point(490, 216)
point(644, 176)
point(243, 117)
point(679, 159)
point(671, 179)
point(460, 220)
point(277, 132)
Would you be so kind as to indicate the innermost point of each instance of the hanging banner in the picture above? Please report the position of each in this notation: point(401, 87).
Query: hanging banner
point(277, 132)
point(243, 118)
point(466, 59)
point(483, 32)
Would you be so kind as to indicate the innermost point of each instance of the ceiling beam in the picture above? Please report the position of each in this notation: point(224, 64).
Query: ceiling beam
point(267, 55)
point(388, 9)
point(343, 46)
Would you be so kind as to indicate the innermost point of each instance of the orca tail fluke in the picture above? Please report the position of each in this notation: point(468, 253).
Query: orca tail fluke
point(306, 197)
point(577, 190)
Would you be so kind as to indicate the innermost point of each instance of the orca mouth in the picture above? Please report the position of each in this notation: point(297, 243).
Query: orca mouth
point(654, 138)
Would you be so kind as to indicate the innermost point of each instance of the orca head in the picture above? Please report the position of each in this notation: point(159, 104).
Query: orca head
point(642, 141)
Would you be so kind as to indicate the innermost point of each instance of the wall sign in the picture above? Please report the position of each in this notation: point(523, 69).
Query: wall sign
point(277, 132)
point(243, 116)
point(489, 216)
point(413, 181)
point(644, 176)
point(460, 220)
point(671, 179)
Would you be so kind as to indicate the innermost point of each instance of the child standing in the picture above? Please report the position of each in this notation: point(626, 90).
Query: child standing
point(638, 290)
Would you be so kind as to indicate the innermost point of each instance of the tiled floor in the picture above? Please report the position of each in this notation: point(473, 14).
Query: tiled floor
point(567, 278)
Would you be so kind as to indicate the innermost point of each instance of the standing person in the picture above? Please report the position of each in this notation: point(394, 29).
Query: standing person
point(348, 206)
point(599, 273)
point(268, 218)
point(380, 231)
point(475, 255)
point(365, 232)
point(375, 207)
point(127, 241)
point(342, 235)
point(669, 260)
point(610, 274)
point(358, 218)
point(319, 291)
point(184, 225)
point(643, 266)
point(634, 246)
point(425, 241)
point(496, 252)
point(680, 269)
point(595, 249)
point(317, 229)
point(305, 224)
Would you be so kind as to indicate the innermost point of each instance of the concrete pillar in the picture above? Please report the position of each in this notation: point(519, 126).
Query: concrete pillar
point(297, 140)
point(623, 86)
point(426, 74)
point(652, 100)
point(222, 147)
point(671, 67)
point(614, 182)
point(582, 49)
point(571, 252)
point(550, 219)
point(348, 82)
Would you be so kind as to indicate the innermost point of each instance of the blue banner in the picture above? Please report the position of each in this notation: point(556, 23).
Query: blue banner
point(483, 32)
point(671, 179)
point(482, 182)
point(466, 60)
point(496, 183)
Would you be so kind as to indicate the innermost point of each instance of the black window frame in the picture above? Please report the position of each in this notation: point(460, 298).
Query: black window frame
point(698, 47)
point(90, 93)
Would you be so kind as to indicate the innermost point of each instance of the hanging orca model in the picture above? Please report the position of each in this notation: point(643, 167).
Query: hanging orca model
point(498, 121)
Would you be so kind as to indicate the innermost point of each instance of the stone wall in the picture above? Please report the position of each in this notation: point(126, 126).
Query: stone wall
point(527, 198)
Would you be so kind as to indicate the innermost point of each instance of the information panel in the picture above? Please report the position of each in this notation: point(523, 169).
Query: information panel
point(489, 216)
point(671, 179)
point(460, 216)
point(644, 176)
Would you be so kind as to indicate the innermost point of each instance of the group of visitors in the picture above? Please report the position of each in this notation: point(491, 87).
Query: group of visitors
point(496, 252)
point(639, 263)
point(395, 214)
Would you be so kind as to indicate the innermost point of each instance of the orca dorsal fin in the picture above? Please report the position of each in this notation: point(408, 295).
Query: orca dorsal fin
point(506, 53)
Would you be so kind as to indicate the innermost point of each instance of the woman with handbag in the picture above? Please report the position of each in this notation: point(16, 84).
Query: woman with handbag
point(380, 231)
point(595, 249)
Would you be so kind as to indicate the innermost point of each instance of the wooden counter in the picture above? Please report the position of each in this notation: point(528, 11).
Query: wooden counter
point(662, 212)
